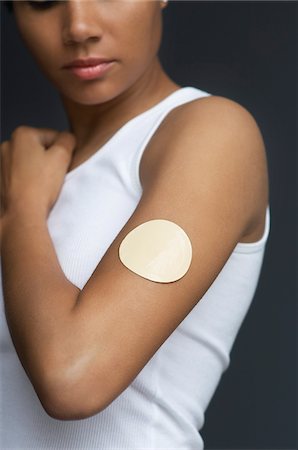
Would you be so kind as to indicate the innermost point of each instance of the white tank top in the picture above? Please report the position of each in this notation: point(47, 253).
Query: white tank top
point(163, 408)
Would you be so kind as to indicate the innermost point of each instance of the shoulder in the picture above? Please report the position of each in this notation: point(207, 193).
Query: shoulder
point(215, 118)
point(214, 107)
point(218, 122)
point(212, 135)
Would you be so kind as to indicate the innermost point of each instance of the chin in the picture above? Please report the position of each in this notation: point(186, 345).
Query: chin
point(90, 92)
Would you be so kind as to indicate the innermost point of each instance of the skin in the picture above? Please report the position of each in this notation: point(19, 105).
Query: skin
point(126, 31)
point(46, 313)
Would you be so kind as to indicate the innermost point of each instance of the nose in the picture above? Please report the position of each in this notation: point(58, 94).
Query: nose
point(81, 22)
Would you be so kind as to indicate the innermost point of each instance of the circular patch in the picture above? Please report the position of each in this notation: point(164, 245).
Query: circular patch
point(158, 250)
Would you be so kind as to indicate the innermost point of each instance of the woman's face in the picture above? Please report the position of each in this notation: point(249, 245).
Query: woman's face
point(128, 32)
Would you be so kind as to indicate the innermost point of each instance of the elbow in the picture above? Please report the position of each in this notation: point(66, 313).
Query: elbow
point(65, 403)
point(60, 408)
point(64, 399)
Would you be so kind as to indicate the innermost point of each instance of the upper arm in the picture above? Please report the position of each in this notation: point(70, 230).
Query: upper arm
point(206, 179)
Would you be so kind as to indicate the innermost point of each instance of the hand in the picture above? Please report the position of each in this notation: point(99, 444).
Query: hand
point(33, 166)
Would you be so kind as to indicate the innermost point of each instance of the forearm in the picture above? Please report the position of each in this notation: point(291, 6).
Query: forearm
point(38, 297)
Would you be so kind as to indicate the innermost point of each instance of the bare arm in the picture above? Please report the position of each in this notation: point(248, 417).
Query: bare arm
point(86, 347)
point(38, 296)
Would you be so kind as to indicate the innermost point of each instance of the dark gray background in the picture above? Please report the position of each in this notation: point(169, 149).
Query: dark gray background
point(245, 51)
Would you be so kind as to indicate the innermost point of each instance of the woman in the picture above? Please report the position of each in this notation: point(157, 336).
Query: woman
point(97, 351)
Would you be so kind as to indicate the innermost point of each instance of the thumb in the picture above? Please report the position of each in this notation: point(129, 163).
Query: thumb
point(66, 139)
point(46, 136)
point(60, 153)
point(49, 137)
point(64, 142)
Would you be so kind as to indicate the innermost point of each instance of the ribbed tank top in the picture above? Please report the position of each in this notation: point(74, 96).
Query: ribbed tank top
point(163, 408)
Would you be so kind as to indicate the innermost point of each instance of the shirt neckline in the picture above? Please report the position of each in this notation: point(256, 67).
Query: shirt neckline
point(103, 148)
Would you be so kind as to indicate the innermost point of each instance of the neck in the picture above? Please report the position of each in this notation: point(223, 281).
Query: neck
point(92, 124)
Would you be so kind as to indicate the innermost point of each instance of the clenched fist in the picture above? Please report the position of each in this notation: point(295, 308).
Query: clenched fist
point(34, 163)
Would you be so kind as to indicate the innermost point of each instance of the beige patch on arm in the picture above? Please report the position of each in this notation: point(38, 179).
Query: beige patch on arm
point(158, 250)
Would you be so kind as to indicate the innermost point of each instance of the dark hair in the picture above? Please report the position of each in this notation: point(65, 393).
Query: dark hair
point(9, 5)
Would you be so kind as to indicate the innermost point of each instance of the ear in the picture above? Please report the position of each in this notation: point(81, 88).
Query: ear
point(163, 4)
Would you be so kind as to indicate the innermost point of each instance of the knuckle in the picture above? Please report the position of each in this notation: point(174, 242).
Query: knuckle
point(20, 130)
point(67, 138)
point(62, 150)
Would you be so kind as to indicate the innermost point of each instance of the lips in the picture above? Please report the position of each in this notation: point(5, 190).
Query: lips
point(89, 68)
point(87, 62)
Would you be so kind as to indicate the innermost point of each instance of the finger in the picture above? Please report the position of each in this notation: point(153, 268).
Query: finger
point(44, 136)
point(47, 136)
point(65, 140)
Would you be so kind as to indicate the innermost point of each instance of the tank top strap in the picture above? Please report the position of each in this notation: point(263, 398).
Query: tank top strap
point(124, 149)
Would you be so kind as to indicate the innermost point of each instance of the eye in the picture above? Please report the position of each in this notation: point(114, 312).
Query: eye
point(42, 4)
